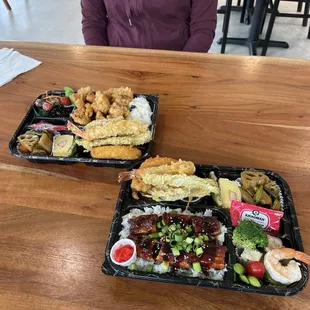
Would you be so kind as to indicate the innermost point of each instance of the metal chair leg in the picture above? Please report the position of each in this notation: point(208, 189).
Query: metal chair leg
point(6, 3)
point(299, 7)
point(239, 3)
point(309, 33)
point(270, 26)
point(226, 25)
point(244, 6)
point(264, 19)
point(306, 14)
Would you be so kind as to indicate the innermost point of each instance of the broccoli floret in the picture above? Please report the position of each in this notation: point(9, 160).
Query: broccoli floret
point(249, 235)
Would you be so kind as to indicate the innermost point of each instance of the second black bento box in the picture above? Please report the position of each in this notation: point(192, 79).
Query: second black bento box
point(289, 233)
point(33, 117)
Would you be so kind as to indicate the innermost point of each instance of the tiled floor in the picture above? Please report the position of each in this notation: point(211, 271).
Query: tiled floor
point(60, 21)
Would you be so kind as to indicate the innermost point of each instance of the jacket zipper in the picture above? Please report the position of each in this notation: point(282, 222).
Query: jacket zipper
point(139, 9)
point(128, 12)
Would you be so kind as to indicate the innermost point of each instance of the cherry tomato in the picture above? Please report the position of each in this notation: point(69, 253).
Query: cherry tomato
point(255, 269)
point(65, 100)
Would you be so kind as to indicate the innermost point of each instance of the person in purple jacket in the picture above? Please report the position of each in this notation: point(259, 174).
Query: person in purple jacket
point(181, 25)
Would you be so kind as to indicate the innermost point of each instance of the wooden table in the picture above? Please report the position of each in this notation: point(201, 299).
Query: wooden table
point(215, 109)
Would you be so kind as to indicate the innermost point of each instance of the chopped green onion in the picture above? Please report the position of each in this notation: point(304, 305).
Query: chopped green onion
point(154, 236)
point(178, 238)
point(197, 266)
point(199, 251)
point(160, 234)
point(198, 240)
point(163, 222)
point(175, 251)
point(173, 212)
point(179, 226)
point(158, 225)
point(172, 228)
point(180, 246)
point(205, 238)
point(189, 248)
point(149, 268)
point(189, 240)
point(164, 229)
point(168, 239)
point(173, 243)
point(133, 266)
point(188, 229)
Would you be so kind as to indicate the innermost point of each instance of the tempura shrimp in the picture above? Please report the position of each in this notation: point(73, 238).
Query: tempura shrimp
point(285, 274)
point(179, 167)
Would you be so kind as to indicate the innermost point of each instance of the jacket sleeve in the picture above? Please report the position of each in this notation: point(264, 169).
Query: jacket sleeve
point(94, 22)
point(202, 25)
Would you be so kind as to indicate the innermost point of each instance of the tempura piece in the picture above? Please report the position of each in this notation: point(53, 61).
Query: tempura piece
point(176, 187)
point(116, 152)
point(180, 167)
point(157, 161)
point(137, 185)
point(110, 129)
point(102, 122)
point(127, 140)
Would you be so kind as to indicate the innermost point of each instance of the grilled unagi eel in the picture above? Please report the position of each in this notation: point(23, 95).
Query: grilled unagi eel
point(147, 248)
point(213, 255)
point(208, 225)
point(143, 224)
point(172, 218)
point(184, 260)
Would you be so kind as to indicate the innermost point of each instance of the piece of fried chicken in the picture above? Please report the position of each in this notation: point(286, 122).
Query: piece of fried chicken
point(101, 103)
point(83, 114)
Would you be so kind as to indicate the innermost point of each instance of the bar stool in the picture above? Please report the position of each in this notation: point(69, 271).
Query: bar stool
point(275, 13)
point(6, 3)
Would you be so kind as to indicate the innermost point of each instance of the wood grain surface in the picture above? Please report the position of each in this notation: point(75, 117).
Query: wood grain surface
point(214, 109)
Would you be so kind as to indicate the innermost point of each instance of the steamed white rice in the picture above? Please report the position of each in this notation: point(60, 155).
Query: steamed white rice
point(159, 268)
point(140, 110)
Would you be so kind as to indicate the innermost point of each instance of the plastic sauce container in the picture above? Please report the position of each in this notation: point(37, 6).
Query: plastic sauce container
point(123, 252)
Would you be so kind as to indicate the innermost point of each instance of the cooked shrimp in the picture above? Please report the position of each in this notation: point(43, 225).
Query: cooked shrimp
point(285, 274)
point(110, 129)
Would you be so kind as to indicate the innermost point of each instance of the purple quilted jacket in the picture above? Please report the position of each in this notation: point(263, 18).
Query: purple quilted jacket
point(187, 25)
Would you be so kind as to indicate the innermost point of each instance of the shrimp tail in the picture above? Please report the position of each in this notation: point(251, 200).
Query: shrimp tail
point(76, 130)
point(126, 176)
point(303, 257)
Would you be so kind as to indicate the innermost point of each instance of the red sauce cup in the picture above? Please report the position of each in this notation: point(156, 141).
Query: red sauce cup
point(119, 244)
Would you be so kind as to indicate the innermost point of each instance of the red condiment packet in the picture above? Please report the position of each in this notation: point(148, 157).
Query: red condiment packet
point(267, 218)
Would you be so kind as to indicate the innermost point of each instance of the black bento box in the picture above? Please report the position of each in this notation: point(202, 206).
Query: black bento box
point(289, 233)
point(33, 117)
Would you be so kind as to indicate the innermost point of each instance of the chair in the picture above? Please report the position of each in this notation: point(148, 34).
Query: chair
point(6, 3)
point(276, 13)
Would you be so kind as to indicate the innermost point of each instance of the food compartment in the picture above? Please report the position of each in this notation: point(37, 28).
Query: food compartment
point(128, 205)
point(53, 104)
